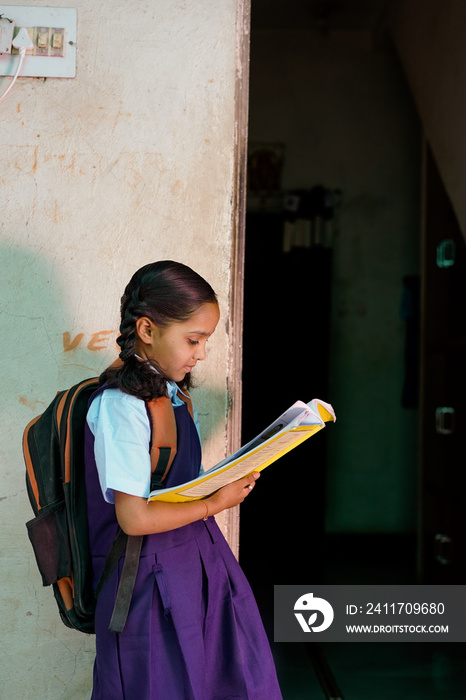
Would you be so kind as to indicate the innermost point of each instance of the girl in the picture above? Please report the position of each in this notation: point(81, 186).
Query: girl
point(193, 631)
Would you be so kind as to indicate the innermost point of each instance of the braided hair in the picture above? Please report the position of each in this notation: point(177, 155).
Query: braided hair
point(165, 292)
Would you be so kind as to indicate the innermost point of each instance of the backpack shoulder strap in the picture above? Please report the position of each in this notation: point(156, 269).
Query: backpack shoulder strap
point(164, 439)
point(164, 436)
point(133, 546)
point(162, 454)
point(184, 396)
point(126, 586)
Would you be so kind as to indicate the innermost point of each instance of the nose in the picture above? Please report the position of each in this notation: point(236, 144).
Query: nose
point(200, 352)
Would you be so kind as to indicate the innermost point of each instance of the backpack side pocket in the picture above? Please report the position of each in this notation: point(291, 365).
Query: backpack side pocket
point(49, 538)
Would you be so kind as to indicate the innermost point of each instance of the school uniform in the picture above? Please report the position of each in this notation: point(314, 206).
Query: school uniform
point(193, 631)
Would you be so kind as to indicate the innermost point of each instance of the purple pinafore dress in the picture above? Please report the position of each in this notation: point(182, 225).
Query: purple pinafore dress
point(193, 631)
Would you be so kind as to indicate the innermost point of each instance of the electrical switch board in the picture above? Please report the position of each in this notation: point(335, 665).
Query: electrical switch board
point(53, 35)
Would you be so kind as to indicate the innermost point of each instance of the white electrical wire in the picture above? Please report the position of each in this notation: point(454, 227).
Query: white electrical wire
point(22, 53)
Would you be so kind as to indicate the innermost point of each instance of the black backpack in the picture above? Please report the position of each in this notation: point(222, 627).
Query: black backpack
point(53, 447)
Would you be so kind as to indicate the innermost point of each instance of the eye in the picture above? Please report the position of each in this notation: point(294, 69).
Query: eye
point(193, 342)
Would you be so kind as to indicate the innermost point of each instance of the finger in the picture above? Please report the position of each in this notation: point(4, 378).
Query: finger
point(251, 479)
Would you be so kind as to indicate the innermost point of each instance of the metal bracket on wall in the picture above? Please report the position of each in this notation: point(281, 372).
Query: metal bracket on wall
point(445, 420)
point(446, 253)
point(443, 549)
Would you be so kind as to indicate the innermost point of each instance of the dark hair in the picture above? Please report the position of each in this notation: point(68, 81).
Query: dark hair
point(166, 292)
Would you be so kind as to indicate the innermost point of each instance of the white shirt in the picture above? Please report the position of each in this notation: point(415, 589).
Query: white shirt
point(122, 434)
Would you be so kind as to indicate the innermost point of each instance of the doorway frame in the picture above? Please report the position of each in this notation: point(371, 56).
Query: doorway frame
point(236, 289)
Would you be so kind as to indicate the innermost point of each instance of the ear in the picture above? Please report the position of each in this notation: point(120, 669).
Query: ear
point(145, 329)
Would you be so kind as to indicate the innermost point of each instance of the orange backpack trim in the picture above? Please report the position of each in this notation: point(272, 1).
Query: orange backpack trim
point(164, 436)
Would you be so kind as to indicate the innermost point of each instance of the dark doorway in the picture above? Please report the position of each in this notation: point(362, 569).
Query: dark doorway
point(325, 321)
point(330, 112)
point(282, 523)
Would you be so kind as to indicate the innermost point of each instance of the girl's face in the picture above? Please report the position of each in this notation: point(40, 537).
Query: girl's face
point(181, 345)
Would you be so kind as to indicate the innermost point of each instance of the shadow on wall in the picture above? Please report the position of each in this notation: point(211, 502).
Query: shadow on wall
point(40, 656)
point(32, 316)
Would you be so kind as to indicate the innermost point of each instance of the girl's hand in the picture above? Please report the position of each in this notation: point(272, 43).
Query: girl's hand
point(231, 494)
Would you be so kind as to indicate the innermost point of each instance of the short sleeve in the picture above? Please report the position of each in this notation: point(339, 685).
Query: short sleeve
point(121, 430)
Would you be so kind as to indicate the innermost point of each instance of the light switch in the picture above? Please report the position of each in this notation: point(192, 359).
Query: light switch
point(57, 40)
point(43, 40)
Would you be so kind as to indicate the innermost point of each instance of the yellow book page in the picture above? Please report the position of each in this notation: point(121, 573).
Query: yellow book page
point(324, 413)
point(255, 461)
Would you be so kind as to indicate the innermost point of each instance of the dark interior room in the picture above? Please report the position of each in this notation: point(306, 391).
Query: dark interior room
point(353, 295)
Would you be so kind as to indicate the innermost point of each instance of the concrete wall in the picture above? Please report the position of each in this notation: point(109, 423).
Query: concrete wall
point(346, 118)
point(130, 162)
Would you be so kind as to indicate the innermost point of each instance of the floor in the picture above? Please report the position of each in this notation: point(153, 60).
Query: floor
point(364, 671)
point(376, 672)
